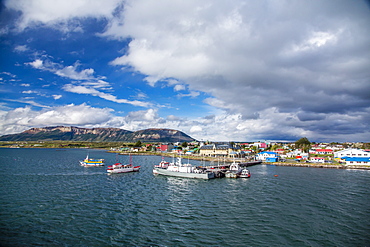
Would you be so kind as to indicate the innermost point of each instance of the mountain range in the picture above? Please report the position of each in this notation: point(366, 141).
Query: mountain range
point(70, 133)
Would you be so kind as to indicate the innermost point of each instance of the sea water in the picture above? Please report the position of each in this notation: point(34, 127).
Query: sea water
point(48, 199)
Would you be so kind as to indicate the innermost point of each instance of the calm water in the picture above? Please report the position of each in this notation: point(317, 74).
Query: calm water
point(48, 199)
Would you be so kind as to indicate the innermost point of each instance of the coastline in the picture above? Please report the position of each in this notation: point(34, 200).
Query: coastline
point(224, 160)
point(318, 165)
point(229, 160)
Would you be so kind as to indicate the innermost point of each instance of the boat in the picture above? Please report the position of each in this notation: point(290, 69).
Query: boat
point(245, 173)
point(163, 164)
point(120, 168)
point(91, 162)
point(178, 169)
point(234, 171)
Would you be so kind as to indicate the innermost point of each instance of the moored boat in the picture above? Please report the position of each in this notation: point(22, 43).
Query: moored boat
point(162, 164)
point(120, 168)
point(234, 171)
point(91, 162)
point(245, 173)
point(178, 169)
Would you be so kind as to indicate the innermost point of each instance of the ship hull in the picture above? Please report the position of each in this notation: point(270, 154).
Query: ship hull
point(165, 172)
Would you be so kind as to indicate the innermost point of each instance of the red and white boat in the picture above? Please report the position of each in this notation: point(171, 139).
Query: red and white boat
point(163, 164)
point(119, 168)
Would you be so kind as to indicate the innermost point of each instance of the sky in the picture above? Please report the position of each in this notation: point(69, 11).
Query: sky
point(218, 70)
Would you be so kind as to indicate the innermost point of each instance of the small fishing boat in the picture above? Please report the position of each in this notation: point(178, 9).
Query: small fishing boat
point(234, 171)
point(91, 162)
point(119, 168)
point(163, 164)
point(245, 173)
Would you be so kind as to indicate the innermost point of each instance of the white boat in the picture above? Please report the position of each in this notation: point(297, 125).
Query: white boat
point(91, 162)
point(163, 164)
point(177, 169)
point(234, 171)
point(245, 173)
point(119, 168)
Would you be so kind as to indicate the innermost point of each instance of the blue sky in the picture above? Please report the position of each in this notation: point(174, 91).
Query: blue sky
point(216, 70)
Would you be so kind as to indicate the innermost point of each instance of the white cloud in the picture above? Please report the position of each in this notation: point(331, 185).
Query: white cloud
point(87, 82)
point(179, 87)
point(57, 96)
point(21, 48)
point(60, 14)
point(192, 94)
point(29, 92)
point(70, 72)
point(21, 119)
point(196, 129)
point(255, 56)
point(37, 64)
point(271, 67)
point(92, 91)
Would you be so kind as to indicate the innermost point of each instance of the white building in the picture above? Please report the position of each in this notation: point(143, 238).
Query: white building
point(317, 159)
point(351, 152)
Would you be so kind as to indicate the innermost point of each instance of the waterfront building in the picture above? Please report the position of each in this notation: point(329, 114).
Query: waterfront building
point(317, 159)
point(297, 153)
point(351, 152)
point(356, 160)
point(219, 150)
point(267, 156)
point(166, 147)
point(321, 151)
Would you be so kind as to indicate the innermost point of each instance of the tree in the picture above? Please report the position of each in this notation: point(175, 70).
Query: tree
point(149, 148)
point(184, 144)
point(138, 144)
point(303, 144)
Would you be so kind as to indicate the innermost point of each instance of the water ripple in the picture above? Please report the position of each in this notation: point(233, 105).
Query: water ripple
point(51, 200)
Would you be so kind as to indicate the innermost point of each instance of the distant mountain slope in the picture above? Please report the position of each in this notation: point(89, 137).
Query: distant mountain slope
point(62, 133)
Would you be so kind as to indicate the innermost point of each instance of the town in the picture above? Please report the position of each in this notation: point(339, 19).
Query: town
point(299, 153)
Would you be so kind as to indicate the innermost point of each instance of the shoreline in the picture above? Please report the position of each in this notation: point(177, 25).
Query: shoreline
point(228, 160)
point(317, 165)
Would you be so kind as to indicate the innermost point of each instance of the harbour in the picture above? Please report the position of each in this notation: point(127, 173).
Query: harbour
point(49, 199)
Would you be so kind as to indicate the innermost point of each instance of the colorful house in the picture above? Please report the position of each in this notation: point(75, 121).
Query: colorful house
point(321, 151)
point(165, 147)
point(267, 156)
point(219, 150)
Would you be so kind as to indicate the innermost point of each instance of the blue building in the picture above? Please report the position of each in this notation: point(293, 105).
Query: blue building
point(357, 160)
point(267, 156)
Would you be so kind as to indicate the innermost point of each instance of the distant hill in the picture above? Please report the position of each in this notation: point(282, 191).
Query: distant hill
point(62, 133)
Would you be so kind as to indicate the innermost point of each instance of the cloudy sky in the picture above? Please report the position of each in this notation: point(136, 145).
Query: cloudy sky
point(220, 70)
